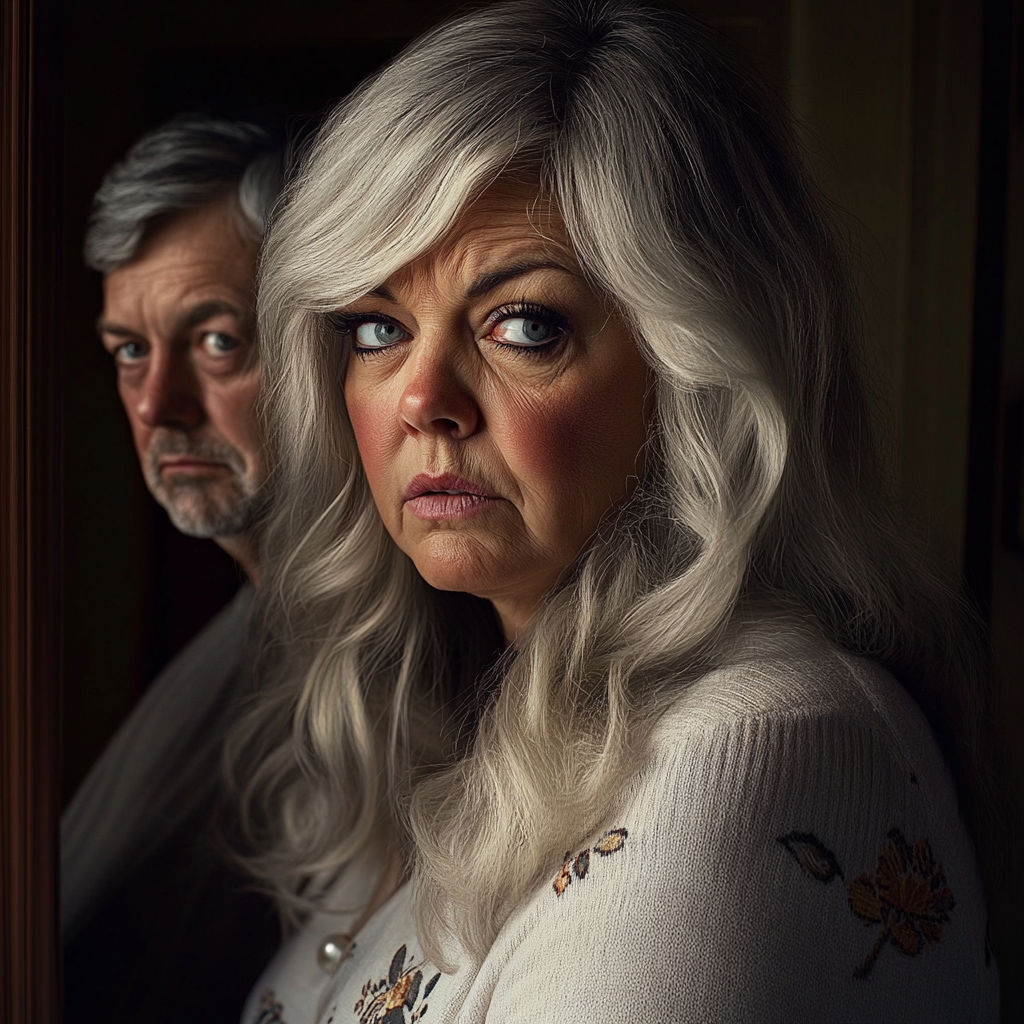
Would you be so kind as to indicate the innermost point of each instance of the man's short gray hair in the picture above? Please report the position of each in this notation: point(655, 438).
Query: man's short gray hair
point(190, 161)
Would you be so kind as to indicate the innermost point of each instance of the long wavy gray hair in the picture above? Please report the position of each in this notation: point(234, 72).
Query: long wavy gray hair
point(681, 190)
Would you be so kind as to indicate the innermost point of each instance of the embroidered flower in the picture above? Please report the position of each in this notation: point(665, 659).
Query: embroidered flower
point(907, 895)
point(388, 1000)
point(579, 865)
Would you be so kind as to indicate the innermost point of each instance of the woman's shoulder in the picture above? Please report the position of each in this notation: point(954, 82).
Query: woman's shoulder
point(789, 721)
point(790, 849)
point(780, 676)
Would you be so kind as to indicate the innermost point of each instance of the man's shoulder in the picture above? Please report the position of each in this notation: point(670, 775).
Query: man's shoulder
point(160, 765)
point(219, 645)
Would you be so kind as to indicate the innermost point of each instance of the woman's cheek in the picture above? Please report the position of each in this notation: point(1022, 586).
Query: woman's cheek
point(373, 423)
point(552, 442)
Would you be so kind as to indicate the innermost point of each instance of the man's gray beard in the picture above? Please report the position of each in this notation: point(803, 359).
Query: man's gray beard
point(201, 506)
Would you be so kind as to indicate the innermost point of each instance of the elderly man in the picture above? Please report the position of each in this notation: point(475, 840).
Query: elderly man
point(156, 925)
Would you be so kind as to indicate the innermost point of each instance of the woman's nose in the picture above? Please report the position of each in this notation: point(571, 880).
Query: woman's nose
point(436, 398)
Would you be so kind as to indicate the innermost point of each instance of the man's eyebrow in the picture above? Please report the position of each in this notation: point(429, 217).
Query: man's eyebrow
point(488, 282)
point(207, 310)
point(191, 318)
point(105, 327)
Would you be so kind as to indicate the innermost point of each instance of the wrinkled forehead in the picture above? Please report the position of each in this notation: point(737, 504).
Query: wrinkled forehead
point(512, 220)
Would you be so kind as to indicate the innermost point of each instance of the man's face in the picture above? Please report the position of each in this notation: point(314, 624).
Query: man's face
point(178, 320)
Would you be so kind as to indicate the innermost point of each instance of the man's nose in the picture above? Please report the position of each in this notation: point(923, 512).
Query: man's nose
point(170, 395)
point(437, 398)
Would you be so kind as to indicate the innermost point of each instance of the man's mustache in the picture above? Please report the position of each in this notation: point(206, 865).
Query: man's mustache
point(172, 442)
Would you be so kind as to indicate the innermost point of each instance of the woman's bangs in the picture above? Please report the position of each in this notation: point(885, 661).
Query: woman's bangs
point(378, 223)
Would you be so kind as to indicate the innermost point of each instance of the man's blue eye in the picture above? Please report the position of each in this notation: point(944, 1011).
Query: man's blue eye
point(525, 331)
point(130, 351)
point(218, 343)
point(378, 334)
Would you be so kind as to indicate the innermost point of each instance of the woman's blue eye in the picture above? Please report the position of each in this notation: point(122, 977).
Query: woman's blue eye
point(525, 331)
point(378, 334)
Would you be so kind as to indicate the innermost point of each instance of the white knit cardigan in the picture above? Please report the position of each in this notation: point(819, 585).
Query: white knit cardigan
point(791, 851)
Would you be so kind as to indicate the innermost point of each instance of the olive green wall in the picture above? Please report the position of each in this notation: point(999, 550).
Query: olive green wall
point(889, 97)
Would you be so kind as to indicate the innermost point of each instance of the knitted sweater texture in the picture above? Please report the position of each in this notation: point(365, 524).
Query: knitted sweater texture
point(790, 851)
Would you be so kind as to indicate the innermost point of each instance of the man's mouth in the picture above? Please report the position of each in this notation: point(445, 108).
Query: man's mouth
point(190, 464)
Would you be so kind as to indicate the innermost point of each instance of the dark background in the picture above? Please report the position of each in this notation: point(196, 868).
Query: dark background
point(911, 114)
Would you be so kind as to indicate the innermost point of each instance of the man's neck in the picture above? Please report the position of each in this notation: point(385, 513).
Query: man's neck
point(242, 549)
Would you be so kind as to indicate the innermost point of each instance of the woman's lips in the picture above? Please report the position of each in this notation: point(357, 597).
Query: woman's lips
point(446, 497)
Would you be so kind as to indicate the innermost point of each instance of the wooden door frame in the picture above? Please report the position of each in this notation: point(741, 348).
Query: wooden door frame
point(29, 504)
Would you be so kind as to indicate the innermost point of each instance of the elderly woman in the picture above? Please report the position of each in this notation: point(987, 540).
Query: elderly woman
point(608, 689)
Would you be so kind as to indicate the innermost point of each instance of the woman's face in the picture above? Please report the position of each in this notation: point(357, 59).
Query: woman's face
point(499, 404)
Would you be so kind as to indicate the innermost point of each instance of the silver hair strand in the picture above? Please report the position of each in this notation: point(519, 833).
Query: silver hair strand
point(190, 161)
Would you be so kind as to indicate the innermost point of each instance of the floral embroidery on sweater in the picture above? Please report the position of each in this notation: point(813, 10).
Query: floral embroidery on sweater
point(270, 1009)
point(907, 894)
point(387, 1001)
point(578, 865)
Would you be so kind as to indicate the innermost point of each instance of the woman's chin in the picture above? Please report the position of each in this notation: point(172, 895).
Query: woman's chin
point(451, 562)
point(455, 575)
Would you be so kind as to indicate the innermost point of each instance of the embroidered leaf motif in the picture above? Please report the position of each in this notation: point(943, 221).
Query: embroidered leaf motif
point(812, 855)
point(387, 1001)
point(397, 962)
point(581, 865)
point(907, 895)
point(610, 842)
point(564, 877)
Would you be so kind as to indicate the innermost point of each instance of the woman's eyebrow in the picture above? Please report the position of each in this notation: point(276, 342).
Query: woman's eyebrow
point(488, 282)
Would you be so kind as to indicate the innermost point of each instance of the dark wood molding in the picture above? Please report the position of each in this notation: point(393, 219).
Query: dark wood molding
point(29, 535)
point(981, 520)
